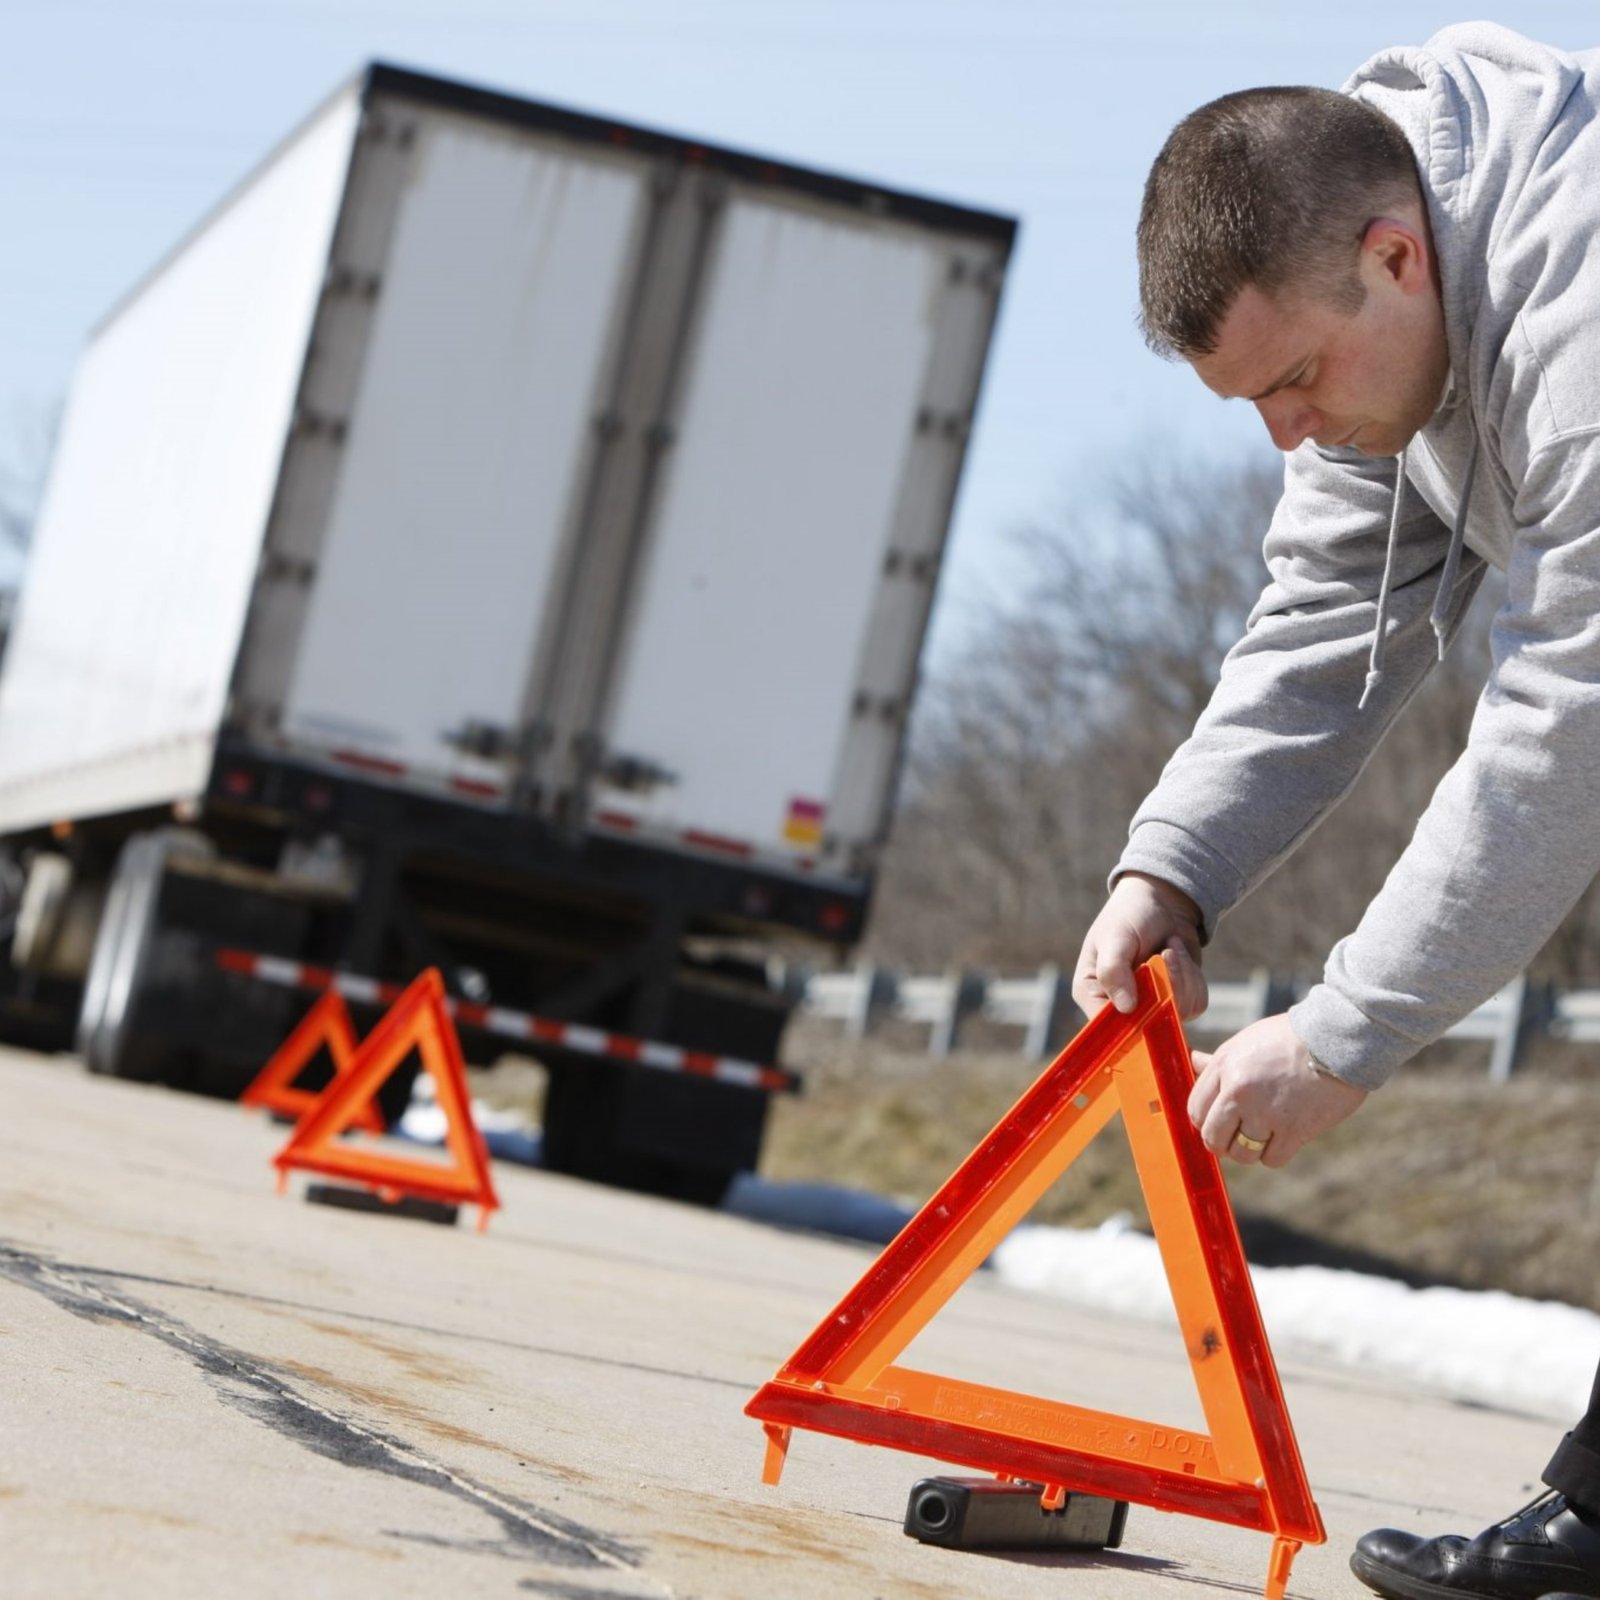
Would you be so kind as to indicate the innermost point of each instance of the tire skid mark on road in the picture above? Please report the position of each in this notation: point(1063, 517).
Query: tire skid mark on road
point(568, 1591)
point(528, 1532)
point(91, 1275)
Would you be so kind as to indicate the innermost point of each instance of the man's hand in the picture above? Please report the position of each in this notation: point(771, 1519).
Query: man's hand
point(1142, 916)
point(1261, 1085)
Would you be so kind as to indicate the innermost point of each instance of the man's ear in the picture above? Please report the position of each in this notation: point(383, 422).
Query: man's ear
point(1400, 251)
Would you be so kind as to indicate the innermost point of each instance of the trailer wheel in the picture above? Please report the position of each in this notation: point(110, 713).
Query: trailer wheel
point(108, 1037)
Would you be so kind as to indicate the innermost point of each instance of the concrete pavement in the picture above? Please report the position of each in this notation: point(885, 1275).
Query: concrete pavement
point(211, 1390)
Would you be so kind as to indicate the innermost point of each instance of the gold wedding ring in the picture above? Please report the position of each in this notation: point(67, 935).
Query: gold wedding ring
point(1255, 1145)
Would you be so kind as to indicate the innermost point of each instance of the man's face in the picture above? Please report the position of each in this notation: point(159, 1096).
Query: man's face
point(1368, 379)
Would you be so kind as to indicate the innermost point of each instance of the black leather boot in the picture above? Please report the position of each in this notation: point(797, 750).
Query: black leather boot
point(1545, 1549)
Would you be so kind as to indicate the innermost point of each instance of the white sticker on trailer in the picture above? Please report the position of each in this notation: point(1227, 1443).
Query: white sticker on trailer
point(462, 458)
point(769, 543)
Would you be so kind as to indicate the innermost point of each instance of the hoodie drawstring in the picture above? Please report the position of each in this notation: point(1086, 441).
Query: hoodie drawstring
point(1439, 616)
point(1381, 627)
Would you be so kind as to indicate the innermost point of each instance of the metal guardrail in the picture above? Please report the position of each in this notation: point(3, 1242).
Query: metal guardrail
point(1041, 1007)
point(864, 996)
point(1575, 1016)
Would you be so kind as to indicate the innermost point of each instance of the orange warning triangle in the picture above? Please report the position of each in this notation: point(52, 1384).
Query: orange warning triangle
point(328, 1024)
point(1246, 1470)
point(418, 1020)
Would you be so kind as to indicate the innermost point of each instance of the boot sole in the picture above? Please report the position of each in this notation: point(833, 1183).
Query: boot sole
point(1394, 1585)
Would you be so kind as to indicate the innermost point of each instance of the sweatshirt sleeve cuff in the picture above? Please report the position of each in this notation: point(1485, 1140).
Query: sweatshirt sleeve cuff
point(1179, 858)
point(1345, 1041)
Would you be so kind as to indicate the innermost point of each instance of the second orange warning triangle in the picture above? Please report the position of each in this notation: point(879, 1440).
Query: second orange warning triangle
point(419, 1020)
point(1246, 1470)
point(326, 1026)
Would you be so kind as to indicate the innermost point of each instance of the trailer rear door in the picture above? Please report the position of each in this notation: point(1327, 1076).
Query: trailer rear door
point(494, 324)
point(798, 457)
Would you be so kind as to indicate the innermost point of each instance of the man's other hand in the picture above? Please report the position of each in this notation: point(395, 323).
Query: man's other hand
point(1262, 1086)
point(1142, 916)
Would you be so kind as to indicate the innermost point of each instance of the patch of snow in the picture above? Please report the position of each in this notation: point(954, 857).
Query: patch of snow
point(424, 1120)
point(1486, 1346)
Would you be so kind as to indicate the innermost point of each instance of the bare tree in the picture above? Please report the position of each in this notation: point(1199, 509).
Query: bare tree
point(23, 466)
point(22, 475)
point(1148, 595)
point(1035, 745)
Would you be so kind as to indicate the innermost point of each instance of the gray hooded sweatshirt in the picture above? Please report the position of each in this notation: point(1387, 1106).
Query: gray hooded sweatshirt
point(1506, 473)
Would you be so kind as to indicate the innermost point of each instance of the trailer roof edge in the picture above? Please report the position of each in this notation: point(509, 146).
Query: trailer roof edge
point(497, 105)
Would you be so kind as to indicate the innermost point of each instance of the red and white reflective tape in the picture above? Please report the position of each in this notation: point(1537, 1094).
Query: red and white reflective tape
point(715, 844)
point(521, 1025)
point(382, 767)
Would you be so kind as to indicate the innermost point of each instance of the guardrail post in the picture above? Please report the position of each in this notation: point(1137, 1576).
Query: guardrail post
point(875, 989)
point(963, 995)
point(1533, 1011)
point(1048, 1022)
point(1260, 994)
point(1503, 1058)
point(1282, 992)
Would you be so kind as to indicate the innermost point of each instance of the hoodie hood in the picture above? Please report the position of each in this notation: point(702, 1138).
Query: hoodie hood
point(1483, 109)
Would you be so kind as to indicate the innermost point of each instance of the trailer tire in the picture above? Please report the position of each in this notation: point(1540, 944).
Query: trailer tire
point(108, 1038)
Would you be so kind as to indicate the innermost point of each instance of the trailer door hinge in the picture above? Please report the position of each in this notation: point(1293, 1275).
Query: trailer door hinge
point(278, 567)
point(489, 741)
point(637, 774)
point(342, 280)
point(887, 706)
point(311, 424)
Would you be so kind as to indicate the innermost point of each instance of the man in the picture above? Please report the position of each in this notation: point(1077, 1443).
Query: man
point(1402, 279)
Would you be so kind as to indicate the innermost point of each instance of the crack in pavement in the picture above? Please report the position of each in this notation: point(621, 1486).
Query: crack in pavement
point(567, 1591)
point(91, 1274)
point(254, 1388)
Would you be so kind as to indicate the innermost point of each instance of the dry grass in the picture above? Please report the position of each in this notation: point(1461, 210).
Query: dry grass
point(1441, 1177)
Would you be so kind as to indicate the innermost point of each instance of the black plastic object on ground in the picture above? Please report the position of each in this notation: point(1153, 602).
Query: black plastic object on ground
point(986, 1514)
point(332, 1194)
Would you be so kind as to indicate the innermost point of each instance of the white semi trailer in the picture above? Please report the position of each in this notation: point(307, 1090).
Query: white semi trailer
point(499, 538)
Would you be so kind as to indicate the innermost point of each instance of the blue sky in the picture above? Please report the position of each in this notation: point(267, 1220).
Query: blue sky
point(121, 121)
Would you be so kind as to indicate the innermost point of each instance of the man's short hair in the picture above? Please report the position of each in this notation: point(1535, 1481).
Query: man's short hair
point(1270, 187)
